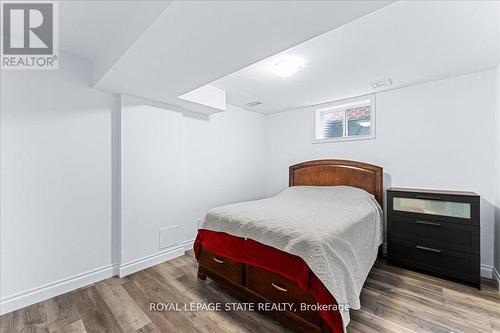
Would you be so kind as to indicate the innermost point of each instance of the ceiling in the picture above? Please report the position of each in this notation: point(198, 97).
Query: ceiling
point(160, 50)
point(409, 42)
point(101, 31)
point(192, 43)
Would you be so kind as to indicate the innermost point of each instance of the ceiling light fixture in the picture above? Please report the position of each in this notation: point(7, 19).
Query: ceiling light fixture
point(286, 67)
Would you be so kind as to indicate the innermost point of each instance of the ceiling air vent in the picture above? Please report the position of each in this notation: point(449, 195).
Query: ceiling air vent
point(255, 103)
point(385, 83)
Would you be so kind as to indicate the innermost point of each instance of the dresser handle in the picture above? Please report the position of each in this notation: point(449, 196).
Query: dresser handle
point(218, 260)
point(278, 287)
point(425, 248)
point(430, 197)
point(429, 223)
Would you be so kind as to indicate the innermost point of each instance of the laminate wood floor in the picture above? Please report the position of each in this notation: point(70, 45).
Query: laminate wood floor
point(393, 300)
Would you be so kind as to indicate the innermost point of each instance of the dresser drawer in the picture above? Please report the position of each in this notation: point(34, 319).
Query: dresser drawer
point(435, 233)
point(450, 263)
point(434, 206)
point(279, 289)
point(227, 268)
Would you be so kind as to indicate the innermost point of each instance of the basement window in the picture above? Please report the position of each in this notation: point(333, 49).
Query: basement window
point(348, 119)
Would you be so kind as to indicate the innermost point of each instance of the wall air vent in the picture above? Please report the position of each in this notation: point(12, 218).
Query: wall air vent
point(255, 103)
point(385, 83)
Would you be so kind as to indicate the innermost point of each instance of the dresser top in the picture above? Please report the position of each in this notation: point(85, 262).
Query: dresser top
point(421, 190)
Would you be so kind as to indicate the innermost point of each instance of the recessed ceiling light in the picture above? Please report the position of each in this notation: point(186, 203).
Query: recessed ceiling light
point(286, 67)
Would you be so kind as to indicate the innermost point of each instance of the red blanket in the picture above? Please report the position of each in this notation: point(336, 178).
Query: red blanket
point(253, 253)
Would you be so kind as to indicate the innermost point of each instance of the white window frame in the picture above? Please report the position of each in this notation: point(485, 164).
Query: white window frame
point(342, 104)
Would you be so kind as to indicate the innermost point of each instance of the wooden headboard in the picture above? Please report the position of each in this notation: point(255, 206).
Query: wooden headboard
point(339, 172)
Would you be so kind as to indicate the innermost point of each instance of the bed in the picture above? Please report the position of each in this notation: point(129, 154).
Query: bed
point(304, 254)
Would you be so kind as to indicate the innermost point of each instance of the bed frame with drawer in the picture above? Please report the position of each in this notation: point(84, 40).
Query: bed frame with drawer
point(256, 285)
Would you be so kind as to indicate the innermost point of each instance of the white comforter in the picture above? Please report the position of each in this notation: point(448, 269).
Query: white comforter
point(336, 230)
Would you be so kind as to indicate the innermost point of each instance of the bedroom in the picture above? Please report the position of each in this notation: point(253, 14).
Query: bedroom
point(338, 161)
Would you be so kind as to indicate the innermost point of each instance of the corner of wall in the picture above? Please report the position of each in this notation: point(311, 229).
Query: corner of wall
point(496, 153)
point(116, 185)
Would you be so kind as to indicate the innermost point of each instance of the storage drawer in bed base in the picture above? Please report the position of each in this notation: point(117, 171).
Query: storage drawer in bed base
point(256, 285)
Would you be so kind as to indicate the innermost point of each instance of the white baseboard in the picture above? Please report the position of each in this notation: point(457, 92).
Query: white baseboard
point(155, 259)
point(188, 245)
point(496, 276)
point(35, 295)
point(20, 300)
point(487, 271)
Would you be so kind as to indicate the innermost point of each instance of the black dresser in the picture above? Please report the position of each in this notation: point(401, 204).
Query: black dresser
point(435, 231)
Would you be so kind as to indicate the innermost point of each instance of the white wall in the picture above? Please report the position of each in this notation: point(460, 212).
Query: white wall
point(55, 182)
point(433, 135)
point(223, 162)
point(174, 168)
point(497, 174)
point(151, 146)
